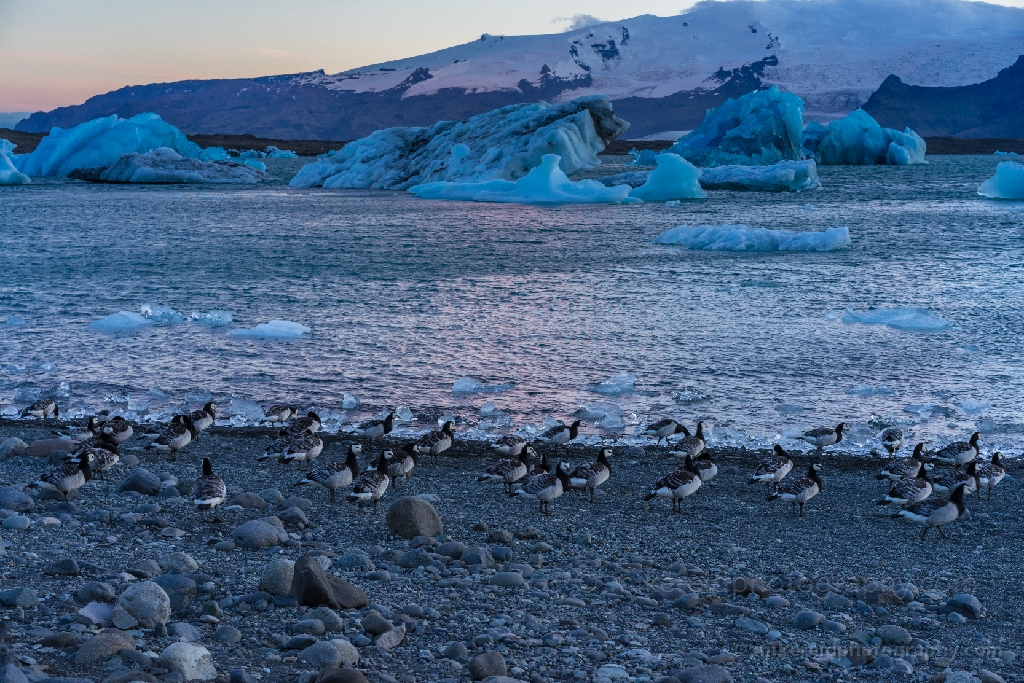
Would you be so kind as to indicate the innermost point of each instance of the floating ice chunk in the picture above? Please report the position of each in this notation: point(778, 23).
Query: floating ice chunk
point(403, 414)
point(996, 153)
point(258, 165)
point(123, 321)
point(26, 394)
point(250, 411)
point(545, 184)
point(621, 383)
point(7, 147)
point(275, 329)
point(252, 154)
point(9, 174)
point(138, 405)
point(673, 178)
point(760, 128)
point(1007, 183)
point(868, 390)
point(973, 407)
point(101, 142)
point(647, 157)
point(161, 314)
point(214, 154)
point(212, 318)
point(503, 144)
point(858, 139)
point(46, 366)
point(466, 385)
point(785, 176)
point(15, 321)
point(349, 402)
point(603, 414)
point(899, 318)
point(155, 394)
point(165, 166)
point(273, 152)
point(742, 238)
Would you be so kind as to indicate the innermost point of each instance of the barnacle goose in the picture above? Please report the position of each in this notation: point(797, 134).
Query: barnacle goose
point(665, 428)
point(310, 424)
point(209, 491)
point(101, 458)
point(205, 417)
point(936, 512)
point(590, 475)
point(376, 429)
point(42, 409)
point(909, 491)
point(119, 429)
point(280, 413)
point(174, 436)
point(67, 477)
point(544, 488)
point(773, 468)
point(690, 446)
point(676, 485)
point(969, 478)
point(824, 436)
point(335, 475)
point(510, 444)
point(372, 484)
point(959, 452)
point(892, 439)
point(801, 490)
point(436, 443)
point(402, 462)
point(560, 434)
point(991, 473)
point(510, 470)
point(905, 468)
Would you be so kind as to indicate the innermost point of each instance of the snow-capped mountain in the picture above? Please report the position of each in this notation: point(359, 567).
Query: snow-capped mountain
point(662, 72)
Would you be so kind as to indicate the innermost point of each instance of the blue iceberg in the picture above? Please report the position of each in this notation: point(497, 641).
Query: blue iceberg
point(673, 178)
point(785, 176)
point(1007, 183)
point(275, 329)
point(742, 238)
point(164, 165)
point(123, 321)
point(545, 184)
point(898, 318)
point(9, 174)
point(857, 139)
point(273, 152)
point(760, 128)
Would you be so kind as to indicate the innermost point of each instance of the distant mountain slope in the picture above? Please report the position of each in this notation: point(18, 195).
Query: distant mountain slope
point(991, 109)
point(662, 71)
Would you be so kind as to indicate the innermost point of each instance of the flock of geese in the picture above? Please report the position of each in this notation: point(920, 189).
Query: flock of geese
point(519, 469)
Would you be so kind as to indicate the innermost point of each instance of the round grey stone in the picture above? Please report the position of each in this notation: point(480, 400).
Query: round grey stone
point(321, 655)
point(147, 602)
point(487, 664)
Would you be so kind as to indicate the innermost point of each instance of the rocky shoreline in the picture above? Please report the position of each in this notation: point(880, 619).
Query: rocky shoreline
point(132, 585)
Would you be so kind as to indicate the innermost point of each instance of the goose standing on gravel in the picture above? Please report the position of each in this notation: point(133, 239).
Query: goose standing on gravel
point(773, 468)
point(510, 445)
point(310, 424)
point(92, 427)
point(544, 488)
point(991, 473)
point(892, 440)
point(303, 450)
point(205, 417)
point(402, 462)
point(67, 477)
point(118, 429)
point(969, 478)
point(690, 446)
point(101, 458)
point(959, 452)
point(174, 436)
point(42, 409)
point(824, 436)
point(590, 475)
point(280, 413)
point(909, 491)
point(704, 467)
point(436, 443)
point(510, 470)
point(208, 491)
point(378, 429)
point(676, 485)
point(372, 484)
point(335, 475)
point(560, 434)
point(662, 429)
point(799, 491)
point(936, 512)
point(905, 468)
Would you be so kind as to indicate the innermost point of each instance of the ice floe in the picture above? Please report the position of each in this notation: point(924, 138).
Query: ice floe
point(165, 166)
point(868, 390)
point(785, 176)
point(504, 144)
point(273, 152)
point(621, 383)
point(275, 329)
point(122, 321)
point(212, 318)
point(673, 178)
point(898, 318)
point(857, 139)
point(468, 385)
point(1007, 183)
point(743, 238)
point(545, 184)
point(9, 175)
point(603, 414)
point(760, 128)
point(161, 314)
point(101, 142)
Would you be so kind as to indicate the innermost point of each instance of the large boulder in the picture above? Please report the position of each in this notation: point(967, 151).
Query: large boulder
point(147, 602)
point(277, 576)
point(333, 674)
point(103, 645)
point(44, 447)
point(15, 501)
point(313, 587)
point(257, 534)
point(11, 448)
point(487, 664)
point(141, 481)
point(192, 661)
point(412, 517)
point(178, 563)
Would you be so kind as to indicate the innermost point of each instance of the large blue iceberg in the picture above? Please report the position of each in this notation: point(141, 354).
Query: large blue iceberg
point(101, 142)
point(9, 174)
point(1007, 183)
point(785, 176)
point(504, 144)
point(760, 128)
point(857, 139)
point(164, 165)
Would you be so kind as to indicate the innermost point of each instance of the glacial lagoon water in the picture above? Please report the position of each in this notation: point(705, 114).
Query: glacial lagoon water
point(404, 296)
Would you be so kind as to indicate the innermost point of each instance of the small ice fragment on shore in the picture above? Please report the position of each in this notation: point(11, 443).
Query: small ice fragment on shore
point(123, 321)
point(868, 390)
point(212, 318)
point(275, 329)
point(550, 422)
point(972, 407)
point(250, 411)
point(621, 383)
point(15, 321)
point(161, 314)
point(741, 238)
point(1007, 183)
point(899, 318)
point(138, 405)
point(604, 414)
point(349, 402)
point(922, 409)
point(403, 414)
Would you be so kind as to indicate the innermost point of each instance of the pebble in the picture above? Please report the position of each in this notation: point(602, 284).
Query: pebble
point(15, 501)
point(141, 481)
point(752, 626)
point(17, 523)
point(229, 635)
point(507, 579)
point(257, 534)
point(375, 624)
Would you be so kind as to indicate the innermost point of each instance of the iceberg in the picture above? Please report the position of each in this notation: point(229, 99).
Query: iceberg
point(165, 166)
point(545, 184)
point(275, 329)
point(161, 314)
point(642, 158)
point(123, 321)
point(212, 318)
point(898, 318)
point(1007, 183)
point(468, 385)
point(673, 178)
point(760, 128)
point(101, 142)
point(785, 176)
point(214, 154)
point(273, 152)
point(504, 144)
point(621, 383)
point(9, 174)
point(7, 147)
point(742, 238)
point(858, 139)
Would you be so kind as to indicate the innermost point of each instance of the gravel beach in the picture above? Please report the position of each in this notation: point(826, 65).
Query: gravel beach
point(734, 588)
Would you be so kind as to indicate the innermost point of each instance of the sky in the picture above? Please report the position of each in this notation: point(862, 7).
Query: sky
point(61, 53)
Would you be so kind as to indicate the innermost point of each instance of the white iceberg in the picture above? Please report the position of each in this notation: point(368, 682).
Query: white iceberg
point(468, 385)
point(165, 166)
point(9, 174)
point(504, 144)
point(101, 142)
point(275, 329)
point(742, 238)
point(673, 178)
point(349, 402)
point(857, 139)
point(273, 152)
point(258, 165)
point(212, 318)
point(621, 383)
point(1007, 183)
point(898, 318)
point(161, 314)
point(6, 146)
point(123, 321)
point(545, 184)
point(760, 128)
point(785, 176)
